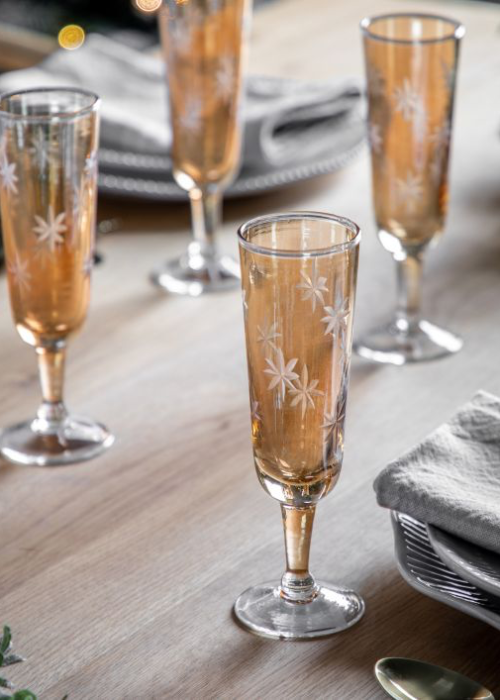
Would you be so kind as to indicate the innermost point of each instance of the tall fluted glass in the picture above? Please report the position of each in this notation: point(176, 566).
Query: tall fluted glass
point(48, 189)
point(411, 65)
point(299, 280)
point(203, 44)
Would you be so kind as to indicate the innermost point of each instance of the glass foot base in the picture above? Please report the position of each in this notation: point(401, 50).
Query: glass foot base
point(263, 611)
point(75, 440)
point(392, 346)
point(196, 275)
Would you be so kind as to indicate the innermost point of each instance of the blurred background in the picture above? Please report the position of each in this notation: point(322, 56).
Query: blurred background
point(131, 21)
point(134, 19)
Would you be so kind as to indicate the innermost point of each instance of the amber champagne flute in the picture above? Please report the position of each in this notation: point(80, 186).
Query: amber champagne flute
point(203, 44)
point(411, 65)
point(48, 181)
point(299, 280)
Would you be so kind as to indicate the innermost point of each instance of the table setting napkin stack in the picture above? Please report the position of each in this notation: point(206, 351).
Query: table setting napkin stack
point(451, 483)
point(288, 123)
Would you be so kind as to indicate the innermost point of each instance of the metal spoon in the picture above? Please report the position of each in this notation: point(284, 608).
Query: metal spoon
point(408, 679)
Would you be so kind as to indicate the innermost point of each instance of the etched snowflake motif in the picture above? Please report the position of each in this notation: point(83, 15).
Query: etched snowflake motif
point(90, 167)
point(225, 77)
point(312, 287)
point(303, 391)
point(332, 422)
point(409, 191)
point(376, 82)
point(40, 148)
point(8, 175)
point(282, 374)
point(441, 135)
point(255, 415)
point(336, 317)
point(190, 120)
point(50, 231)
point(267, 335)
point(18, 269)
point(329, 425)
point(407, 100)
point(375, 138)
point(88, 264)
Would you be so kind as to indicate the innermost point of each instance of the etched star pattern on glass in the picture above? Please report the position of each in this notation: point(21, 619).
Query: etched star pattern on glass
point(204, 47)
point(48, 238)
point(297, 268)
point(411, 63)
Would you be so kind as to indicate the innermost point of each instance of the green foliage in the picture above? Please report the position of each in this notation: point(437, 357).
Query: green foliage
point(6, 642)
point(12, 659)
point(7, 659)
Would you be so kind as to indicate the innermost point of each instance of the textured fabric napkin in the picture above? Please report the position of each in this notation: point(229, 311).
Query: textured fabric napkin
point(452, 478)
point(285, 120)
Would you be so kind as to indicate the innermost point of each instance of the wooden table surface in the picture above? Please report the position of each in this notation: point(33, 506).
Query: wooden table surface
point(118, 575)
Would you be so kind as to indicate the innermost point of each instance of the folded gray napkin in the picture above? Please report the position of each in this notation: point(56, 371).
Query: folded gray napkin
point(285, 120)
point(452, 478)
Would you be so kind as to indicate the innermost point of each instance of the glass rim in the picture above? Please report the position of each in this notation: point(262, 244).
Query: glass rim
point(81, 111)
point(333, 249)
point(457, 31)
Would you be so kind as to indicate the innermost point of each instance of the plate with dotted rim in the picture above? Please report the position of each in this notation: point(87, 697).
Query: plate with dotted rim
point(147, 176)
point(422, 569)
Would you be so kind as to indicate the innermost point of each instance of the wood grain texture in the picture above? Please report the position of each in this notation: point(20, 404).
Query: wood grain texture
point(118, 576)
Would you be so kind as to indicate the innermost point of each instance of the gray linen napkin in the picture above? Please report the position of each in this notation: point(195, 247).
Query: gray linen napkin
point(452, 478)
point(285, 120)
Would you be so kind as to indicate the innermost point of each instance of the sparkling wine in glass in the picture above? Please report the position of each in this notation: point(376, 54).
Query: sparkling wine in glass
point(411, 64)
point(48, 189)
point(203, 43)
point(299, 280)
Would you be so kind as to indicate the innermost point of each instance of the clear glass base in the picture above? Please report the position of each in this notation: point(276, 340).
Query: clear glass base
point(38, 443)
point(395, 346)
point(196, 273)
point(264, 611)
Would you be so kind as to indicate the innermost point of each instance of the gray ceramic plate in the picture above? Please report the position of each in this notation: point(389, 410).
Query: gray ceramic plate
point(150, 177)
point(421, 567)
point(475, 564)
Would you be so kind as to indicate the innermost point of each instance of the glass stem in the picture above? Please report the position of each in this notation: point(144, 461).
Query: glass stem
point(206, 216)
point(297, 584)
point(51, 360)
point(409, 289)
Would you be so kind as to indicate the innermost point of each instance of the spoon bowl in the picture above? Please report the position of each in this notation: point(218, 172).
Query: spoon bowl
point(408, 679)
